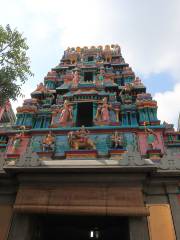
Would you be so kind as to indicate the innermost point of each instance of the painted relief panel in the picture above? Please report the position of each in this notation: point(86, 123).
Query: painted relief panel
point(144, 145)
point(17, 144)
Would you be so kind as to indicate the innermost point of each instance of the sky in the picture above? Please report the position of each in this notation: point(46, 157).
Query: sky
point(147, 31)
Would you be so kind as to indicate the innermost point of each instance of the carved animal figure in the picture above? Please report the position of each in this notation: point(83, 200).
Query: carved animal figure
point(79, 140)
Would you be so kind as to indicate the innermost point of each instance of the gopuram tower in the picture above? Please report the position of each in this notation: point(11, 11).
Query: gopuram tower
point(88, 158)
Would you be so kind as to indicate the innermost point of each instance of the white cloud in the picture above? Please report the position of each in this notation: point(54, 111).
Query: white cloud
point(169, 105)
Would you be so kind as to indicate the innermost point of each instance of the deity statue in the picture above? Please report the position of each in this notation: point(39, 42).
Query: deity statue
point(137, 81)
point(100, 76)
point(75, 78)
point(152, 139)
point(117, 140)
point(117, 49)
point(65, 112)
point(48, 142)
point(80, 139)
point(102, 113)
point(126, 97)
point(41, 88)
point(17, 139)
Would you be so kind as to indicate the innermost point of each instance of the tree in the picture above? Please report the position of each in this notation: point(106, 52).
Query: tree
point(14, 63)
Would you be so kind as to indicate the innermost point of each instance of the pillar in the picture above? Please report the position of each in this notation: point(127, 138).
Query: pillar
point(172, 192)
point(138, 228)
point(21, 227)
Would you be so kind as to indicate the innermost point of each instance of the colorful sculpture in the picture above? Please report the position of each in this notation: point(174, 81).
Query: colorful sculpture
point(100, 76)
point(41, 88)
point(102, 113)
point(17, 139)
point(80, 139)
point(48, 142)
point(65, 113)
point(152, 139)
point(117, 140)
point(75, 79)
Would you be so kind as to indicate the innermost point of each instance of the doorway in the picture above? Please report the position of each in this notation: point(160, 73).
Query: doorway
point(88, 76)
point(84, 114)
point(84, 228)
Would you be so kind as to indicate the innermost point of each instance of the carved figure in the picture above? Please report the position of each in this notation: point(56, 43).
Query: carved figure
point(107, 53)
point(137, 81)
point(41, 88)
point(66, 112)
point(117, 140)
point(80, 140)
point(126, 97)
point(152, 138)
point(101, 75)
point(102, 113)
point(17, 139)
point(48, 142)
point(75, 79)
point(117, 49)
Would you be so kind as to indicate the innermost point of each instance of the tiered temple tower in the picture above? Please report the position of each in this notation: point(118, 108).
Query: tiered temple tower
point(88, 143)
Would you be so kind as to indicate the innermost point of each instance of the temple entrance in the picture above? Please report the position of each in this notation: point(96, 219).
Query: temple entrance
point(84, 114)
point(83, 228)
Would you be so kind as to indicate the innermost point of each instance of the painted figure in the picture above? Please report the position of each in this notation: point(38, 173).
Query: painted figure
point(101, 75)
point(75, 79)
point(117, 140)
point(152, 139)
point(17, 139)
point(102, 113)
point(41, 88)
point(125, 93)
point(48, 142)
point(65, 112)
point(80, 139)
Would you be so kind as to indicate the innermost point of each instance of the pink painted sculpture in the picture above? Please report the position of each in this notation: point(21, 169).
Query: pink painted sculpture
point(75, 78)
point(102, 113)
point(66, 113)
point(152, 139)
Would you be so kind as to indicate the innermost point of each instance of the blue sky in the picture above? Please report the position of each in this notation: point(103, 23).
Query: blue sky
point(147, 31)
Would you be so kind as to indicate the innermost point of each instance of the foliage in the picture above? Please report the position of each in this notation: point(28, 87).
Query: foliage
point(14, 63)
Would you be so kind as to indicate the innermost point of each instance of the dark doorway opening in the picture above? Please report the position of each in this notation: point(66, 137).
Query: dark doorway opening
point(90, 58)
point(83, 228)
point(88, 76)
point(84, 114)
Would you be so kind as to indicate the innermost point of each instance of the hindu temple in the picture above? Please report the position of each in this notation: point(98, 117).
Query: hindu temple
point(88, 158)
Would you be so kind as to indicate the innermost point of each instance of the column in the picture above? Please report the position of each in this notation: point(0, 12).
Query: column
point(21, 227)
point(172, 192)
point(138, 228)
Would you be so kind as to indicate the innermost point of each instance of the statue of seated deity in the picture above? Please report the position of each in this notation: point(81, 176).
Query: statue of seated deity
point(137, 82)
point(80, 140)
point(117, 140)
point(48, 142)
point(41, 88)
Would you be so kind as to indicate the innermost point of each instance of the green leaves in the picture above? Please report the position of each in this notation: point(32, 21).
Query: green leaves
point(14, 63)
